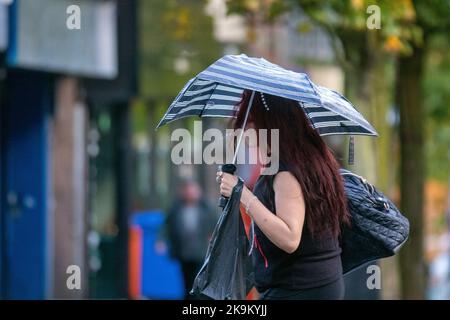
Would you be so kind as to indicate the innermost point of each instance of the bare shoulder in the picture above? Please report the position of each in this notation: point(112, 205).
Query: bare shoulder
point(286, 185)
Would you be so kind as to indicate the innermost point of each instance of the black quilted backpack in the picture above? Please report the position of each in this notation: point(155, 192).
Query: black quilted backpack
point(377, 230)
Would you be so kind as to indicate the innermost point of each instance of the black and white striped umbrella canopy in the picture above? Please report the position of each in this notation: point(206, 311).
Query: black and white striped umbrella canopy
point(217, 90)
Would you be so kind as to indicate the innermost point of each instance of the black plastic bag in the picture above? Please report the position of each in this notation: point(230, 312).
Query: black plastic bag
point(227, 273)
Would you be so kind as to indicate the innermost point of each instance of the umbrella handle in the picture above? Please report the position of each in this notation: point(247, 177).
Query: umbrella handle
point(230, 167)
point(227, 168)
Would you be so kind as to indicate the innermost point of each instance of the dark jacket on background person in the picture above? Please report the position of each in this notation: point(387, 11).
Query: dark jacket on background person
point(190, 242)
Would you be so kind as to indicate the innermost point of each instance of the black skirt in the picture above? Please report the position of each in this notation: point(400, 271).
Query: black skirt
point(332, 291)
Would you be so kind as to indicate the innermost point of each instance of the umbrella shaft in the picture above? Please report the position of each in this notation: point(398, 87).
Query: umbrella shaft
point(250, 103)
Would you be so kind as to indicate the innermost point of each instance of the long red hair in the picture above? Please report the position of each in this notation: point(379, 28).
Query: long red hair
point(308, 157)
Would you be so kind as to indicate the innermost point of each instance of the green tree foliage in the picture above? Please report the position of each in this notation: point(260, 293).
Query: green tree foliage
point(437, 97)
point(176, 42)
point(437, 106)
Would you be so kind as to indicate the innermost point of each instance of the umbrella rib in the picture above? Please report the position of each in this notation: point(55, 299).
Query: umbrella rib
point(250, 103)
point(307, 115)
point(186, 88)
point(212, 92)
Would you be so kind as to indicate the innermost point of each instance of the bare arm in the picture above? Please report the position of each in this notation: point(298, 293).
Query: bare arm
point(285, 228)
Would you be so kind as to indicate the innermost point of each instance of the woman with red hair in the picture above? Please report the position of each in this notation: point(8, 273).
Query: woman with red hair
point(298, 212)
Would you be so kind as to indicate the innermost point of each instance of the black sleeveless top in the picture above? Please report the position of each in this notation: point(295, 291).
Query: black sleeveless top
point(316, 262)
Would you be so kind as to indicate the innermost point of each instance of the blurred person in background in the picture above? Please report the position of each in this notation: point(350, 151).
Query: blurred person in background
point(190, 224)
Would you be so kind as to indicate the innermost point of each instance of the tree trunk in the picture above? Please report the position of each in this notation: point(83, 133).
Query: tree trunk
point(412, 171)
point(359, 74)
point(380, 95)
point(368, 86)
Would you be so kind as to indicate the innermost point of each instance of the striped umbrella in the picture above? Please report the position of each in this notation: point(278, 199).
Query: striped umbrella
point(217, 90)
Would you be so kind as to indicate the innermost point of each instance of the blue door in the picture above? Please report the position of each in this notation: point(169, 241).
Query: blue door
point(25, 185)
